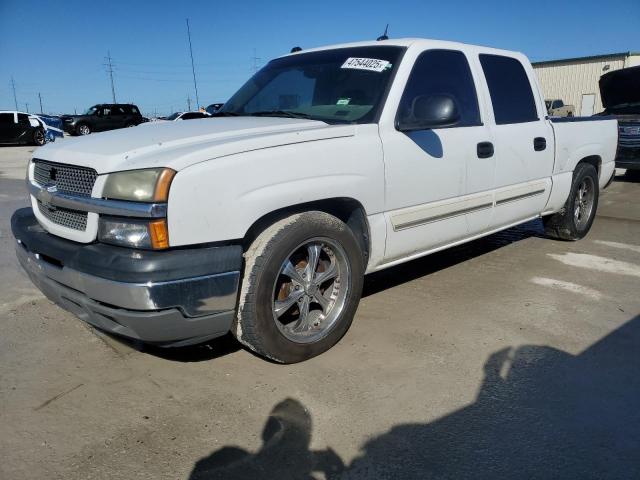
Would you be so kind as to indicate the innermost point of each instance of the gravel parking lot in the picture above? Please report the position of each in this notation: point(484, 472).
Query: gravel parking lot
point(511, 357)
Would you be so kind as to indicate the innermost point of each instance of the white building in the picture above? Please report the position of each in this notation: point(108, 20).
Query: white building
point(575, 80)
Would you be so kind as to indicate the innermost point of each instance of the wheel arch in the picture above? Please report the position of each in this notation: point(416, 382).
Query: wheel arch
point(347, 209)
point(594, 160)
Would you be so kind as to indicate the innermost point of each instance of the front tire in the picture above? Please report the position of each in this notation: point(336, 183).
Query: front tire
point(83, 129)
point(302, 283)
point(574, 221)
point(39, 137)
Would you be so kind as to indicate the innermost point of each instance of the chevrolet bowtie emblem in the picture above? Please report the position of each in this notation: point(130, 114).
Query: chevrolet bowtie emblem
point(46, 194)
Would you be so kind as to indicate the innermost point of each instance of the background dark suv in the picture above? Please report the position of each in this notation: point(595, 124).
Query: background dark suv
point(101, 117)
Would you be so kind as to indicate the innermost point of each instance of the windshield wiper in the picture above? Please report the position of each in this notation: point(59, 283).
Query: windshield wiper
point(279, 113)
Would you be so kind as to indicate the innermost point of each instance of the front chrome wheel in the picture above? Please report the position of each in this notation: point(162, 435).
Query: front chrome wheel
point(583, 204)
point(84, 130)
point(310, 290)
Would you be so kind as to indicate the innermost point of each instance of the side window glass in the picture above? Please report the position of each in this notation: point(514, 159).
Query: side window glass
point(6, 119)
point(437, 74)
point(23, 119)
point(106, 111)
point(510, 90)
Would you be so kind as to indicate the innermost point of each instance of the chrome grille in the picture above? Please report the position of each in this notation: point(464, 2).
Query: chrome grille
point(65, 217)
point(629, 134)
point(68, 178)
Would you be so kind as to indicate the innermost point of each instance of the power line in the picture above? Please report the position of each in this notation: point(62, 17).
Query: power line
point(109, 66)
point(13, 85)
point(193, 68)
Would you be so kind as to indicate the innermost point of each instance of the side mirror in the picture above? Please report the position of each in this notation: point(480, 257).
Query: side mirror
point(430, 111)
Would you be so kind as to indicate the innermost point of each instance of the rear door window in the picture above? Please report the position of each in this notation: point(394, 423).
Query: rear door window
point(23, 119)
point(510, 90)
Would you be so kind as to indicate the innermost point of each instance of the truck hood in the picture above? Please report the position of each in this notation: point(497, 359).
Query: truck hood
point(178, 145)
point(620, 91)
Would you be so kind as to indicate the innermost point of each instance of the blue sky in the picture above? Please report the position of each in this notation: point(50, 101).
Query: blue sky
point(58, 48)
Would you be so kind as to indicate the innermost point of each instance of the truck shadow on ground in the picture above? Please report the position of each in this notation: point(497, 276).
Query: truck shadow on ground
point(539, 413)
point(406, 272)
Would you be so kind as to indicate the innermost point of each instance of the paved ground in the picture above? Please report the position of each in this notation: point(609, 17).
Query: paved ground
point(512, 357)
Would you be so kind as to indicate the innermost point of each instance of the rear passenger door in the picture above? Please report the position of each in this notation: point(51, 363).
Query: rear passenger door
point(523, 141)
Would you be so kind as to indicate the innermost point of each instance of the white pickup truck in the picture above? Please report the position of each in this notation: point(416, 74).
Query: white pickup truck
point(326, 165)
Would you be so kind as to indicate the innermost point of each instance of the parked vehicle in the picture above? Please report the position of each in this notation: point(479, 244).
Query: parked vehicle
point(214, 108)
point(53, 127)
point(101, 117)
point(326, 165)
point(620, 92)
point(19, 128)
point(184, 116)
point(557, 108)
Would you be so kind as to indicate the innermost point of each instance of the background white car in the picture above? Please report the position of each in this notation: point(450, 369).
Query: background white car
point(184, 116)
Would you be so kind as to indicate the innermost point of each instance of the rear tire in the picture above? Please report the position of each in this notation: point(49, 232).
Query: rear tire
point(302, 283)
point(574, 221)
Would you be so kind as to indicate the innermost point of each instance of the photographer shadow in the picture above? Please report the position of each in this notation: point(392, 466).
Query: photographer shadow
point(540, 413)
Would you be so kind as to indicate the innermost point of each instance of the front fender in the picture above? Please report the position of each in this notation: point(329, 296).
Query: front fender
point(220, 199)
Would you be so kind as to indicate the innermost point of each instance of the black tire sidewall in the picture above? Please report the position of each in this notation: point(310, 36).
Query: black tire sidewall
point(583, 170)
point(35, 136)
point(275, 344)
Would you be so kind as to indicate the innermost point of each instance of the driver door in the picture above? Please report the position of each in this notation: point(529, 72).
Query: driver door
point(439, 181)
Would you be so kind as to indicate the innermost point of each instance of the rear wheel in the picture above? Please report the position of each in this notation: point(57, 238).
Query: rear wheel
point(574, 221)
point(83, 129)
point(39, 138)
point(301, 287)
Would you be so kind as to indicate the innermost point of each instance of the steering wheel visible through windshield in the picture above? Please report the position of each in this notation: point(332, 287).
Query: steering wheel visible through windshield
point(344, 85)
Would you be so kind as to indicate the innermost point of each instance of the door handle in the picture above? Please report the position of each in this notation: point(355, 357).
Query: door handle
point(485, 150)
point(539, 144)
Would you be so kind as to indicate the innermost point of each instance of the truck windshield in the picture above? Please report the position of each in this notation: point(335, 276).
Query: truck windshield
point(91, 110)
point(344, 85)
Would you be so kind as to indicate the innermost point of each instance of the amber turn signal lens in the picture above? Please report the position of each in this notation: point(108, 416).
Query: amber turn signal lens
point(159, 235)
point(163, 183)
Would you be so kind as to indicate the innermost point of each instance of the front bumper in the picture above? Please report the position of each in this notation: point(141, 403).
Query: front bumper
point(173, 297)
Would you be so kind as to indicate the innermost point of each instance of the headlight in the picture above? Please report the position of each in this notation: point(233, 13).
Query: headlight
point(149, 185)
point(128, 232)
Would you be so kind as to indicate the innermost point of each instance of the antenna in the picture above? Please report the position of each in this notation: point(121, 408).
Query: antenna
point(193, 68)
point(255, 60)
point(384, 35)
point(109, 66)
point(13, 85)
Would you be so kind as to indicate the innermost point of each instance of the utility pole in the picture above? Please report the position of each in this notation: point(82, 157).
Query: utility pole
point(40, 99)
point(109, 66)
point(193, 68)
point(26, 105)
point(13, 85)
point(255, 60)
point(188, 103)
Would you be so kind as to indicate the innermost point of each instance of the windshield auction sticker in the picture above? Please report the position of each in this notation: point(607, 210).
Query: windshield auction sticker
point(371, 64)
